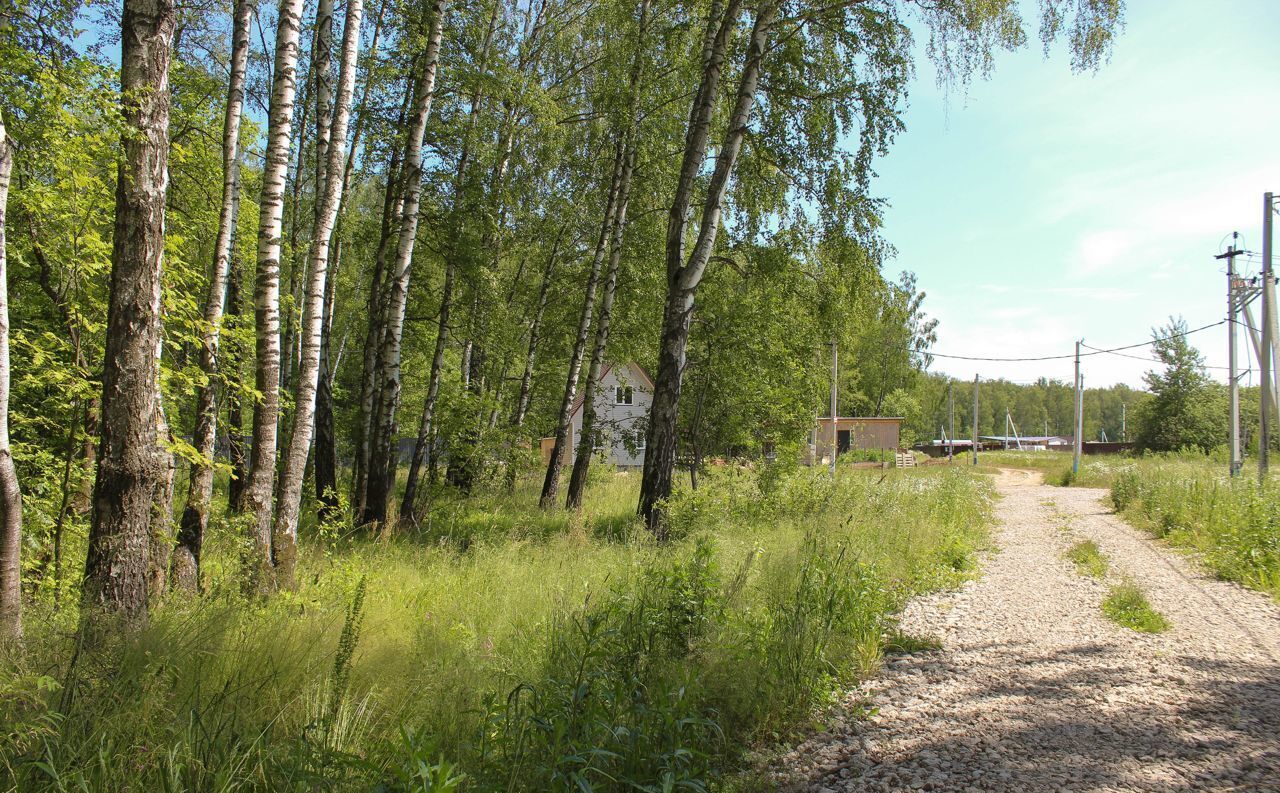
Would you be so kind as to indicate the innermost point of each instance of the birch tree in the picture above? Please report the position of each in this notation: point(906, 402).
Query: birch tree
point(10, 495)
point(382, 454)
point(285, 531)
point(129, 465)
point(259, 490)
point(551, 482)
point(195, 515)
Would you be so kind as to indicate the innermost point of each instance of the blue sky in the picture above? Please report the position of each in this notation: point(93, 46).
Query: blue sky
point(1039, 206)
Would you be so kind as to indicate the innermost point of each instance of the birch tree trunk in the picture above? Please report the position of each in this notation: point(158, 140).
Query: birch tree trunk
point(161, 532)
point(10, 495)
point(370, 387)
point(551, 483)
point(382, 453)
point(586, 442)
point(535, 335)
point(185, 570)
point(259, 489)
point(285, 532)
point(683, 277)
point(326, 445)
point(129, 467)
point(235, 402)
point(426, 428)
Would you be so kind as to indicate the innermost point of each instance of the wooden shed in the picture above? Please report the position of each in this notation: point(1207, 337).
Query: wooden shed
point(852, 432)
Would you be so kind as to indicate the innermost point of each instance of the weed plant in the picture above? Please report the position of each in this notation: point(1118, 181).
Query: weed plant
point(502, 647)
point(1127, 606)
point(1089, 559)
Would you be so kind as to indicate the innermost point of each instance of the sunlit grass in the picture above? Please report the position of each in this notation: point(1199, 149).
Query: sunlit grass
point(1089, 559)
point(1233, 523)
point(1126, 605)
point(778, 581)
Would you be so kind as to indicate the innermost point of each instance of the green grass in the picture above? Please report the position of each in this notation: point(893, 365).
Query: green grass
point(1233, 523)
point(501, 647)
point(1089, 559)
point(1127, 606)
point(1095, 470)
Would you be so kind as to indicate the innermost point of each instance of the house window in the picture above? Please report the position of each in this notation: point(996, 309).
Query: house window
point(599, 442)
point(623, 395)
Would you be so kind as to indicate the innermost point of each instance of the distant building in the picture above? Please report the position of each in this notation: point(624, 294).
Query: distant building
point(1026, 443)
point(851, 432)
point(624, 394)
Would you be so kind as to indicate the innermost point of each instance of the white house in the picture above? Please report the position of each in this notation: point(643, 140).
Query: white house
point(624, 394)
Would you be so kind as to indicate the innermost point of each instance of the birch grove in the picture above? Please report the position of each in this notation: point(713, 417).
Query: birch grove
point(234, 260)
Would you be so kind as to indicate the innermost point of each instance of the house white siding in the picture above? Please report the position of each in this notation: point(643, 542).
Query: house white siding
point(621, 425)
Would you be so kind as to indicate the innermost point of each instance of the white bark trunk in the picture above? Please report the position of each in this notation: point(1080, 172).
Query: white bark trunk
point(285, 531)
point(259, 491)
point(10, 495)
point(185, 570)
point(382, 456)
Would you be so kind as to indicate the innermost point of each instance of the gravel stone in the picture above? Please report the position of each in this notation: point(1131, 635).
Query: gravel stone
point(1034, 690)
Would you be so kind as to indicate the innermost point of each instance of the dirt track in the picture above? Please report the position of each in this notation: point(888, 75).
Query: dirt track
point(1035, 690)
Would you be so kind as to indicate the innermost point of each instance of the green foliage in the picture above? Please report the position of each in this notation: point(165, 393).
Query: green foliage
point(1045, 407)
point(1186, 410)
point(1126, 605)
point(1190, 501)
point(1089, 559)
point(535, 658)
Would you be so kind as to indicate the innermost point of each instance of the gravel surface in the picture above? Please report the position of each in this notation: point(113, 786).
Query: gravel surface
point(1035, 690)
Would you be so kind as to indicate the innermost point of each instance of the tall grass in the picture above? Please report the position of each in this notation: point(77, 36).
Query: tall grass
point(1233, 522)
point(504, 648)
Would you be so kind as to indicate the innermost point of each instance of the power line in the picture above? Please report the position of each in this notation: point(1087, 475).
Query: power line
point(1071, 357)
point(1144, 358)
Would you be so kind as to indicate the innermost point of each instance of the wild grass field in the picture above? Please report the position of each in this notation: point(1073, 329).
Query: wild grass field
point(502, 647)
point(1190, 501)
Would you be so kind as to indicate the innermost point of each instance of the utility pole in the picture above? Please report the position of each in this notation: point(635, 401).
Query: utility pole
point(1075, 460)
point(1268, 342)
point(1006, 429)
point(975, 419)
point(835, 380)
point(951, 422)
point(1124, 422)
point(1233, 378)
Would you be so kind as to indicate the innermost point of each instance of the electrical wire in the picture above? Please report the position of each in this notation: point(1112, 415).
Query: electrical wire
point(1095, 351)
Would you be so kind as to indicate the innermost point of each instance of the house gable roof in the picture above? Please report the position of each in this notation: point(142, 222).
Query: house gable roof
point(632, 365)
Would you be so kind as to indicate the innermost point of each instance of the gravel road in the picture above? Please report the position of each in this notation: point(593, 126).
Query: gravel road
point(1034, 690)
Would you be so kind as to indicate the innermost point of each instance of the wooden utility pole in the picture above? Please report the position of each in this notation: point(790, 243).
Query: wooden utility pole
point(1268, 342)
point(1233, 381)
point(951, 422)
point(835, 379)
point(975, 419)
point(1079, 428)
